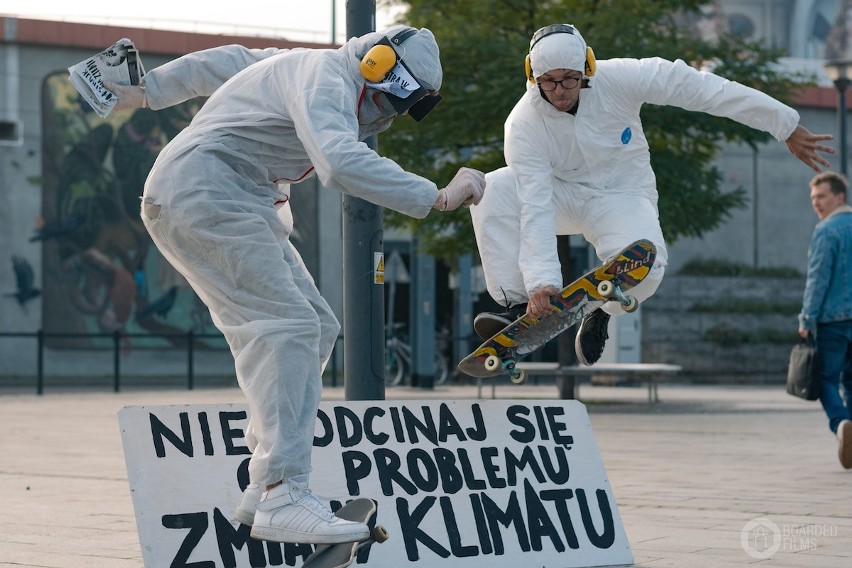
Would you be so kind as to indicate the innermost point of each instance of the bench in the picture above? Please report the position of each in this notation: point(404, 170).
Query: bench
point(569, 385)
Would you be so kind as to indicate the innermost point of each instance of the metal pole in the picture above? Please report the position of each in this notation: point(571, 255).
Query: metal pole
point(333, 21)
point(40, 362)
point(190, 359)
point(842, 85)
point(363, 289)
point(116, 360)
point(463, 320)
point(422, 327)
point(755, 218)
point(334, 363)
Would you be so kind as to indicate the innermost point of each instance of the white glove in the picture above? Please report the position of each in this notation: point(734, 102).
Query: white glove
point(129, 96)
point(465, 189)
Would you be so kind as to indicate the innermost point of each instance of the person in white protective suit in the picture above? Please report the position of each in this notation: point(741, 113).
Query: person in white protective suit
point(578, 163)
point(210, 204)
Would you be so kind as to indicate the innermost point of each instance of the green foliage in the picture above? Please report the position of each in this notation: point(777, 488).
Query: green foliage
point(721, 267)
point(483, 46)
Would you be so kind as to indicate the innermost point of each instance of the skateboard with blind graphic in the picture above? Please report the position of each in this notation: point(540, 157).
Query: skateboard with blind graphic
point(607, 283)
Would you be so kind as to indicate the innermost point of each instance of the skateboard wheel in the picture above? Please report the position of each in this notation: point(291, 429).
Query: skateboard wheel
point(606, 288)
point(519, 376)
point(492, 363)
point(630, 305)
point(379, 533)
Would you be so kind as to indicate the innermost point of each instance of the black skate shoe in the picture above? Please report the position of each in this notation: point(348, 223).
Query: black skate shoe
point(488, 324)
point(591, 337)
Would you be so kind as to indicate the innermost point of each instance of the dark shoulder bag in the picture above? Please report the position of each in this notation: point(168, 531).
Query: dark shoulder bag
point(803, 373)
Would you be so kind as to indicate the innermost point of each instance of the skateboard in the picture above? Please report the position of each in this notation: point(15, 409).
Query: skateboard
point(343, 554)
point(609, 282)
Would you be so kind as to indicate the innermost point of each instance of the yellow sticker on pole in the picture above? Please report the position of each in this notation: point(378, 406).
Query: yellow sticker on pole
point(378, 268)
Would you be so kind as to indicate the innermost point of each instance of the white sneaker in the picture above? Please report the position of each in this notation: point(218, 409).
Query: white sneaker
point(248, 505)
point(291, 513)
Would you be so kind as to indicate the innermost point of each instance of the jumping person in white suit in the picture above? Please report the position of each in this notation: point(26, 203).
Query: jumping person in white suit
point(578, 163)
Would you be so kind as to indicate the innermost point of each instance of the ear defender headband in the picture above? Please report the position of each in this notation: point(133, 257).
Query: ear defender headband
point(382, 57)
point(589, 64)
point(378, 66)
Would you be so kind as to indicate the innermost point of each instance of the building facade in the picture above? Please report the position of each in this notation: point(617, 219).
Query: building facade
point(69, 194)
point(774, 228)
point(69, 218)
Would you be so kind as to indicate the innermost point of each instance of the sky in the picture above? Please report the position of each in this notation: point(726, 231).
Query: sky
point(304, 20)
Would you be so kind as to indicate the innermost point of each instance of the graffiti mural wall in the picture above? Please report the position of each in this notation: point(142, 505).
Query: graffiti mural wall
point(101, 271)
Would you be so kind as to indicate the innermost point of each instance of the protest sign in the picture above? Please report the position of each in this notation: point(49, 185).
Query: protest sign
point(457, 483)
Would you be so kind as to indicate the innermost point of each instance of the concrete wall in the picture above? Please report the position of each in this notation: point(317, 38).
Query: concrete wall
point(675, 332)
point(775, 227)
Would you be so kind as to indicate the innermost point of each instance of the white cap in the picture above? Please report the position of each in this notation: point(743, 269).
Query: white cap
point(558, 51)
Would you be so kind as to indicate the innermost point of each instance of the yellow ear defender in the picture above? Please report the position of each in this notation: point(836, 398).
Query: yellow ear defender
point(590, 62)
point(382, 57)
point(558, 29)
point(378, 61)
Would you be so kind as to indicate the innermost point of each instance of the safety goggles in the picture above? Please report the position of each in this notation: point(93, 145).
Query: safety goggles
point(421, 108)
point(405, 92)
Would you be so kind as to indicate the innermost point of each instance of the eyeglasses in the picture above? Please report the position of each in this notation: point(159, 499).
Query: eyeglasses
point(567, 83)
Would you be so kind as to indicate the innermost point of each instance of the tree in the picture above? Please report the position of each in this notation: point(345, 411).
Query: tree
point(483, 46)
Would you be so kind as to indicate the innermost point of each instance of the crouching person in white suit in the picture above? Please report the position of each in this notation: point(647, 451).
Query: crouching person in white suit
point(578, 164)
point(211, 206)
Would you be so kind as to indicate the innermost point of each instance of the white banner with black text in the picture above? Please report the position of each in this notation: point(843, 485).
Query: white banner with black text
point(457, 483)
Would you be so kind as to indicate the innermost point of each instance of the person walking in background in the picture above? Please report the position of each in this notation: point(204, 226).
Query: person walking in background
point(827, 305)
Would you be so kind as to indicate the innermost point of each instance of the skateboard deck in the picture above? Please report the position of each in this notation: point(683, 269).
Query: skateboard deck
point(343, 554)
point(609, 282)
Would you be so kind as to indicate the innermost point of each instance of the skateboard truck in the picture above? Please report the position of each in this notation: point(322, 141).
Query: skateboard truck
point(611, 290)
point(378, 534)
point(343, 554)
point(518, 376)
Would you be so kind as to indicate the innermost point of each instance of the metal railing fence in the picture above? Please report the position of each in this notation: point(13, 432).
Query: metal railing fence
point(333, 371)
point(190, 338)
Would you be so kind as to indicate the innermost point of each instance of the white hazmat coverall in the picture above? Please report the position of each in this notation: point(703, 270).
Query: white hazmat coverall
point(590, 173)
point(210, 207)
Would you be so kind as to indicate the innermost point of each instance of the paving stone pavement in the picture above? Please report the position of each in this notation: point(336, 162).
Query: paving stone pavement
point(690, 475)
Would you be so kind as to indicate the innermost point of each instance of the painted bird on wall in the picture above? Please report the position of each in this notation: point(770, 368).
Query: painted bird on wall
point(25, 280)
point(54, 229)
point(160, 307)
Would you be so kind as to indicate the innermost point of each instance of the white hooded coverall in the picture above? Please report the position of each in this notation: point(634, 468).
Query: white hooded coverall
point(210, 207)
point(590, 173)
